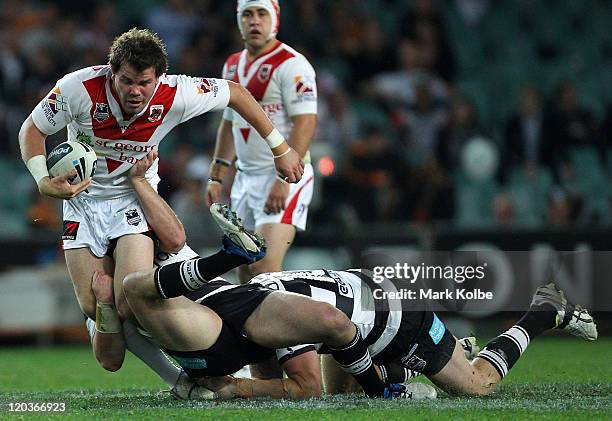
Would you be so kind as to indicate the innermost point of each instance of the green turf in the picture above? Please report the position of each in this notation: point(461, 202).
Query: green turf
point(557, 378)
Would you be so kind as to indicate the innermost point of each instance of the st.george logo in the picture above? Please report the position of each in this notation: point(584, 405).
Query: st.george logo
point(155, 113)
point(264, 72)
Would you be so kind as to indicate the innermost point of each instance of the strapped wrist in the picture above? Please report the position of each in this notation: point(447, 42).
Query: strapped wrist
point(107, 318)
point(274, 139)
point(37, 165)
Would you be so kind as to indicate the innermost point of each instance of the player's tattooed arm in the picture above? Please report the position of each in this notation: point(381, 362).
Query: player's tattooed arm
point(160, 216)
point(225, 154)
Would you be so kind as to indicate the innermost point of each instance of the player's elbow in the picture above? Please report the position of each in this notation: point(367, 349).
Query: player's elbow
point(238, 95)
point(175, 243)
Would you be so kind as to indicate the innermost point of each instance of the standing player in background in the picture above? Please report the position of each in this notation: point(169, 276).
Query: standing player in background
point(283, 82)
point(123, 110)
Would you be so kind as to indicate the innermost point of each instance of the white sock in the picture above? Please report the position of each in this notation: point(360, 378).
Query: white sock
point(150, 354)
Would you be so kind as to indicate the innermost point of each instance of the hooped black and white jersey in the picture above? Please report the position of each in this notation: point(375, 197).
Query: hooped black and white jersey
point(377, 321)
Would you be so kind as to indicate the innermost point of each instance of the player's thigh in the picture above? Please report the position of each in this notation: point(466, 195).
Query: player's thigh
point(134, 253)
point(279, 238)
point(285, 319)
point(82, 263)
point(177, 323)
point(461, 376)
point(336, 380)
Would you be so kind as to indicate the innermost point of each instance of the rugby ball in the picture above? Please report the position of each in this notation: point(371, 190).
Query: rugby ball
point(72, 155)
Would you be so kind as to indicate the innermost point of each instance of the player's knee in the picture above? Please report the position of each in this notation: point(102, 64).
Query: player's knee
point(332, 319)
point(134, 284)
point(264, 266)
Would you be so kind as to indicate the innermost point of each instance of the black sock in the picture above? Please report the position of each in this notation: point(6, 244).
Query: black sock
point(505, 350)
point(180, 278)
point(354, 358)
point(396, 373)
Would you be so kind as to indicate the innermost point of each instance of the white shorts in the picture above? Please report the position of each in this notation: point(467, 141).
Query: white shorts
point(250, 192)
point(94, 223)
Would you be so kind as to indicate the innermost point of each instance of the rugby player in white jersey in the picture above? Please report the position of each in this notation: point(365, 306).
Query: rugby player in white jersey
point(283, 82)
point(123, 110)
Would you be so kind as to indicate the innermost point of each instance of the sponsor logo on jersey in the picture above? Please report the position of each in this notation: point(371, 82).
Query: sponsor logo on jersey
point(57, 102)
point(101, 113)
point(84, 138)
point(133, 217)
point(304, 89)
point(155, 113)
point(52, 104)
point(71, 228)
point(411, 361)
point(264, 72)
point(436, 332)
point(204, 87)
point(231, 71)
point(191, 362)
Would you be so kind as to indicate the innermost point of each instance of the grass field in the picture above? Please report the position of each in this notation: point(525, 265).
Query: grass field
point(557, 378)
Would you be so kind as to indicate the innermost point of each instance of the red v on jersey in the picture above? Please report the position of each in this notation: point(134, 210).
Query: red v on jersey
point(259, 78)
point(245, 133)
point(104, 123)
point(112, 164)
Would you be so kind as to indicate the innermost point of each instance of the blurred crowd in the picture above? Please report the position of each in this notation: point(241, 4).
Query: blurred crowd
point(429, 110)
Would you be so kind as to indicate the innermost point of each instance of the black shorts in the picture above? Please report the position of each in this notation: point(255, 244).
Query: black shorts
point(235, 305)
point(423, 343)
point(232, 350)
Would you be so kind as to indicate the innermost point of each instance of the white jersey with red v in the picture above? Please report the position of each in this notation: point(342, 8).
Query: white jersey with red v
point(283, 82)
point(86, 102)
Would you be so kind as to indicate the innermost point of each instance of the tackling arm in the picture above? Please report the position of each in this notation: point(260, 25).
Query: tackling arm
point(106, 335)
point(304, 381)
point(166, 225)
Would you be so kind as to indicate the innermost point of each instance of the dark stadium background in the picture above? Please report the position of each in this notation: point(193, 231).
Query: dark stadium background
point(441, 124)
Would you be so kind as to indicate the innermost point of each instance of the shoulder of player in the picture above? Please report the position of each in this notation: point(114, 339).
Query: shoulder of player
point(87, 73)
point(184, 83)
point(78, 87)
point(233, 58)
point(292, 59)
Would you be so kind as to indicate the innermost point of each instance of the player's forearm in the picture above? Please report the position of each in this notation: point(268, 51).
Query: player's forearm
point(302, 133)
point(160, 216)
point(109, 350)
point(244, 104)
point(275, 388)
point(225, 151)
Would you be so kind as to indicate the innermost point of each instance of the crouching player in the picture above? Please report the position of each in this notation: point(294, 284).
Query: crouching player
point(221, 327)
